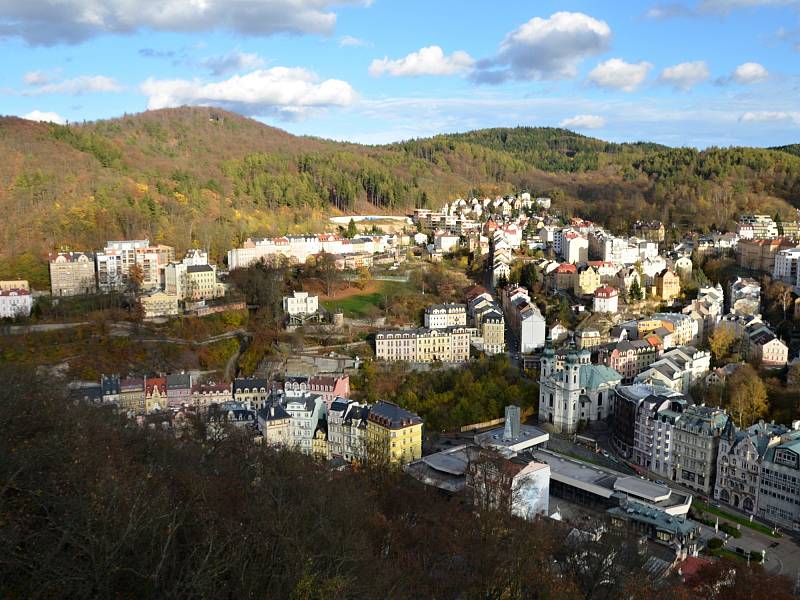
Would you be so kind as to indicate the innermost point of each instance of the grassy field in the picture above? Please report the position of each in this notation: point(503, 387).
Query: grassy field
point(357, 303)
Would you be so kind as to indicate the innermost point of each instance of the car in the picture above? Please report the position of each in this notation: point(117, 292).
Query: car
point(774, 544)
point(660, 482)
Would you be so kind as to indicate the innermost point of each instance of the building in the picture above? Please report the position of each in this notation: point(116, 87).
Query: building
point(14, 284)
point(745, 297)
point(606, 300)
point(205, 394)
point(114, 264)
point(652, 231)
point(586, 281)
point(677, 369)
point(155, 394)
point(644, 421)
point(275, 425)
point(739, 461)
point(631, 357)
point(330, 387)
point(253, 392)
point(779, 485)
point(696, 437)
point(15, 303)
point(757, 227)
point(179, 389)
point(131, 397)
point(759, 254)
point(574, 392)
point(686, 330)
point(424, 345)
point(192, 282)
point(524, 318)
point(706, 310)
point(765, 348)
point(442, 316)
point(394, 434)
point(306, 411)
point(347, 429)
point(72, 274)
point(574, 248)
point(159, 304)
point(668, 285)
point(785, 268)
point(300, 305)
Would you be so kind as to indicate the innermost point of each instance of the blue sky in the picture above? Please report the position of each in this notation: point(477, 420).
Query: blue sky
point(699, 72)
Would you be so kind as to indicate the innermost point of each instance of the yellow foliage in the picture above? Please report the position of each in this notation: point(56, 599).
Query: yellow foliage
point(181, 198)
point(142, 188)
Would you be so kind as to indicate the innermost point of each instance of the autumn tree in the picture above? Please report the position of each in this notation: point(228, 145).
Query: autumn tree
point(325, 268)
point(746, 396)
point(721, 342)
point(135, 278)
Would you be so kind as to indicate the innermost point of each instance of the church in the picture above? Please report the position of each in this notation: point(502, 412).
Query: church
point(572, 390)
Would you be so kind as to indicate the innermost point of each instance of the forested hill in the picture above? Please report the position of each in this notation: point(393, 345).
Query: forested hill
point(205, 176)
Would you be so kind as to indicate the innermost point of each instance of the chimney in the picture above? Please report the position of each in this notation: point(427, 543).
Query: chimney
point(511, 429)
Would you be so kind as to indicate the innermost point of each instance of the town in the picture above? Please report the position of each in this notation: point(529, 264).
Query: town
point(648, 407)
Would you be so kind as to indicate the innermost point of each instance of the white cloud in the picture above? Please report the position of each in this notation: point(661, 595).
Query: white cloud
point(232, 62)
point(47, 117)
point(685, 76)
point(85, 84)
point(583, 122)
point(71, 21)
point(750, 72)
point(661, 12)
point(430, 60)
point(617, 74)
point(286, 92)
point(765, 116)
point(40, 77)
point(549, 48)
point(349, 41)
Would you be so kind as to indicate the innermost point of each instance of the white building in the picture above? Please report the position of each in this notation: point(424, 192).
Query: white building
point(15, 303)
point(574, 391)
point(441, 316)
point(574, 248)
point(677, 369)
point(606, 300)
point(300, 304)
point(114, 264)
point(785, 268)
point(445, 242)
point(305, 410)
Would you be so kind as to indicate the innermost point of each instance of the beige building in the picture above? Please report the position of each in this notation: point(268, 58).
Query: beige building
point(192, 282)
point(586, 281)
point(493, 327)
point(159, 304)
point(668, 285)
point(72, 274)
point(423, 345)
point(14, 284)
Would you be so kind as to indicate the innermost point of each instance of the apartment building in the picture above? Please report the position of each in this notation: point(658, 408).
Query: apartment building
point(424, 345)
point(72, 274)
point(696, 441)
point(631, 357)
point(300, 304)
point(677, 369)
point(15, 303)
point(779, 483)
point(118, 257)
point(159, 304)
point(442, 316)
point(394, 433)
point(760, 254)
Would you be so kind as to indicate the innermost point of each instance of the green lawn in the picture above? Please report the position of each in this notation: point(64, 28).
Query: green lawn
point(360, 305)
point(702, 506)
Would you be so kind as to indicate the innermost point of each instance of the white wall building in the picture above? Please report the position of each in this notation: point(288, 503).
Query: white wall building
point(441, 316)
point(15, 303)
point(300, 303)
point(606, 300)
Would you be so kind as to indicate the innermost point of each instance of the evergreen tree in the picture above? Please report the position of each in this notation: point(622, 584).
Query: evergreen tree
point(352, 230)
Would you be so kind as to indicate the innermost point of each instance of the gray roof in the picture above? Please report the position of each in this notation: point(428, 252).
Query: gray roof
point(179, 381)
point(198, 269)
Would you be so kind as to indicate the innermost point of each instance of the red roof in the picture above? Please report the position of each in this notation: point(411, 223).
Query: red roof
point(15, 292)
point(606, 291)
point(566, 268)
point(156, 382)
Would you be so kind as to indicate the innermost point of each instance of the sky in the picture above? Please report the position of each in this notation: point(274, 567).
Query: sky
point(691, 72)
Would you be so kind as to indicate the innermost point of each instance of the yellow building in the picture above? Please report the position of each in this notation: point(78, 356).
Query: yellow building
point(668, 285)
point(586, 282)
point(159, 304)
point(319, 443)
point(393, 434)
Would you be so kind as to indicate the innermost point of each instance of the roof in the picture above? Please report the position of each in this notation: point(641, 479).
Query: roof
point(392, 416)
point(250, 383)
point(594, 376)
point(634, 511)
point(199, 269)
point(15, 292)
point(273, 412)
point(178, 381)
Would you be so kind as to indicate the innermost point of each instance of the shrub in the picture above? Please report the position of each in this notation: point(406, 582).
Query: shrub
point(714, 543)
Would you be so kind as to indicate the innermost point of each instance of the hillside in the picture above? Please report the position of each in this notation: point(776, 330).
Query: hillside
point(204, 176)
